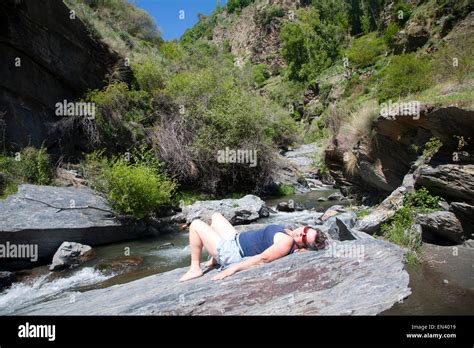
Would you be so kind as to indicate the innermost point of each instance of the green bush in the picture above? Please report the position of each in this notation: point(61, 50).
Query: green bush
point(422, 199)
point(30, 165)
point(391, 33)
point(400, 229)
point(219, 113)
point(35, 166)
point(285, 190)
point(432, 146)
point(365, 50)
point(311, 43)
point(149, 75)
point(268, 14)
point(120, 112)
point(260, 74)
point(402, 11)
point(202, 30)
point(137, 187)
point(406, 74)
point(172, 50)
point(124, 16)
point(237, 5)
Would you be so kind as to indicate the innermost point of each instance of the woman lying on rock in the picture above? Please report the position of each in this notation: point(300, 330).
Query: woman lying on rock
point(238, 251)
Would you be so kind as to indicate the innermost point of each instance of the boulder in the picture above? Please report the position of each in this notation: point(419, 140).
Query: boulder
point(296, 169)
point(69, 254)
point(465, 214)
point(469, 243)
point(414, 37)
point(333, 227)
point(309, 283)
point(332, 211)
point(336, 196)
point(302, 156)
point(441, 227)
point(6, 279)
point(238, 211)
point(372, 222)
point(449, 180)
point(285, 206)
point(42, 216)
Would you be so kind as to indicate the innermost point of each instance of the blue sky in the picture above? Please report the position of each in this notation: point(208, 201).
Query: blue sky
point(166, 14)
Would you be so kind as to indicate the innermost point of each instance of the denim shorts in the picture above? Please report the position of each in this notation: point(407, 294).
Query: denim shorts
point(228, 252)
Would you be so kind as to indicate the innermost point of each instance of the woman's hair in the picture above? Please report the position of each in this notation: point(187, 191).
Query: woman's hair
point(321, 240)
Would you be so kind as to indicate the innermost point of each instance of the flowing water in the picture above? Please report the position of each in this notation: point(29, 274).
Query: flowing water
point(124, 262)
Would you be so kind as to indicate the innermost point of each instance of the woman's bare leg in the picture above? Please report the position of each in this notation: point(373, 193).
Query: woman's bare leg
point(224, 228)
point(200, 235)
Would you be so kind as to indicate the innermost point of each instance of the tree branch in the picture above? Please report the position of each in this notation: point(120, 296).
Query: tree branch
point(59, 209)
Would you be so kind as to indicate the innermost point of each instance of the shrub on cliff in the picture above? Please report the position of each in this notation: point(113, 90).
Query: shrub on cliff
point(365, 50)
point(311, 42)
point(149, 74)
point(237, 5)
point(406, 74)
point(215, 114)
point(121, 114)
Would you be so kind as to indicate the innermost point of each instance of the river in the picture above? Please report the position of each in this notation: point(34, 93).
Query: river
point(120, 263)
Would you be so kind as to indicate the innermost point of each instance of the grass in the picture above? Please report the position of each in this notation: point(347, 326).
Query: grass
point(462, 97)
point(362, 213)
point(285, 190)
point(189, 197)
point(350, 163)
point(401, 229)
point(30, 165)
point(9, 189)
point(359, 125)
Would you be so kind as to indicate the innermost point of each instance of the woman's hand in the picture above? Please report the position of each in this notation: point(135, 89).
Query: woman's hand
point(224, 274)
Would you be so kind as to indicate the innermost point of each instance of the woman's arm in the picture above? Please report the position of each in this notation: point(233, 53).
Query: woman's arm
point(274, 252)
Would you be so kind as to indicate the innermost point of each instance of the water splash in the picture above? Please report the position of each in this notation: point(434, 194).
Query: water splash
point(42, 288)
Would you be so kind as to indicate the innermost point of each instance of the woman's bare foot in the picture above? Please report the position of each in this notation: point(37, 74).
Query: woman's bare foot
point(210, 265)
point(191, 274)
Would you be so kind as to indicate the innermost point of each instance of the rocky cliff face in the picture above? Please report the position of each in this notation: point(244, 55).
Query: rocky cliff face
point(251, 36)
point(47, 57)
point(383, 160)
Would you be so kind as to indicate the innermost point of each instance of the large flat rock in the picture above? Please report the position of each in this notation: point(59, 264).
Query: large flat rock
point(308, 283)
point(26, 221)
point(238, 211)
